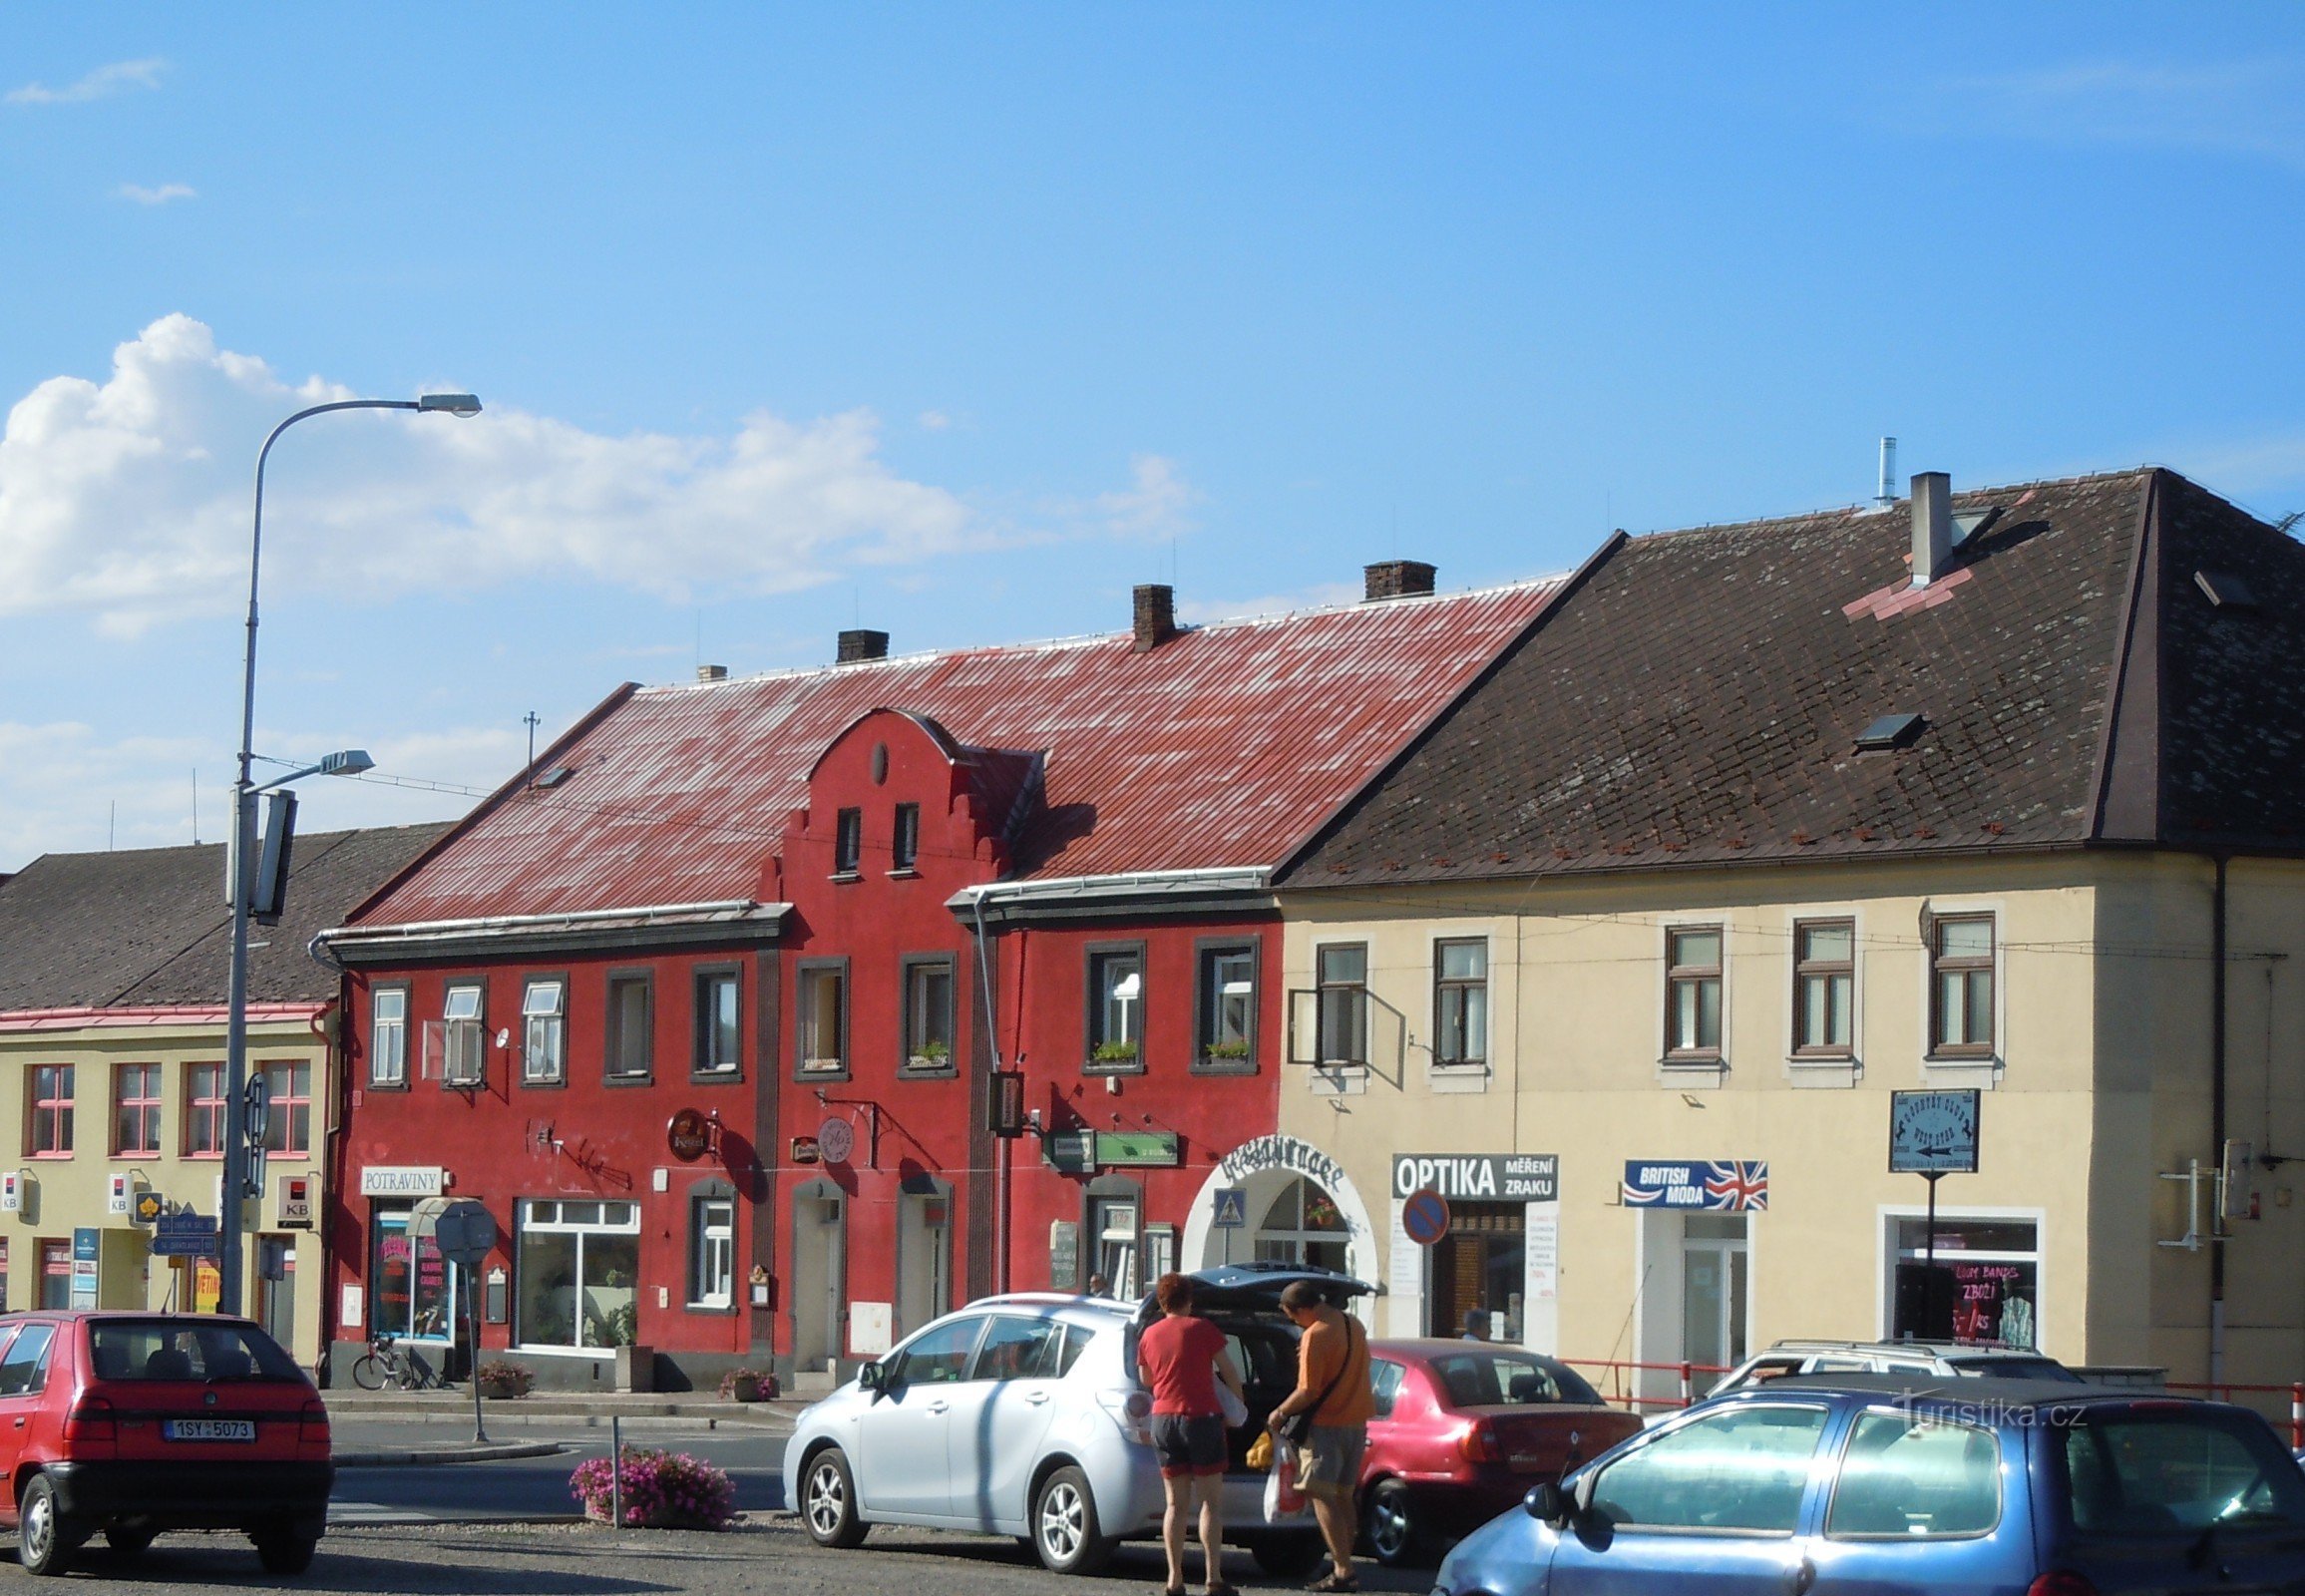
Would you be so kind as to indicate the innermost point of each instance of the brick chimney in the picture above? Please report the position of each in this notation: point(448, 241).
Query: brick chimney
point(711, 672)
point(859, 645)
point(1156, 615)
point(1397, 578)
point(1932, 526)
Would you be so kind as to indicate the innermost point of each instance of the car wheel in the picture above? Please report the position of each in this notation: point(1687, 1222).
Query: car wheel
point(42, 1543)
point(1289, 1556)
point(828, 1500)
point(1391, 1521)
point(1064, 1527)
point(285, 1551)
point(130, 1540)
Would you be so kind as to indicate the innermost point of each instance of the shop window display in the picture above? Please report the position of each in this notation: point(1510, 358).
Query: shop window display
point(580, 1273)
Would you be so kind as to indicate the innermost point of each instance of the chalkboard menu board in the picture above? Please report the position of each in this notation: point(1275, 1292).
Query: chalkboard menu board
point(1063, 1255)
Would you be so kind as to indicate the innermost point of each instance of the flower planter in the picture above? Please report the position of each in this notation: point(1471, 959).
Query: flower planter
point(499, 1390)
point(655, 1518)
point(744, 1391)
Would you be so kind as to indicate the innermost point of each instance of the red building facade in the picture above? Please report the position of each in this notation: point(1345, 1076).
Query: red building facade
point(810, 916)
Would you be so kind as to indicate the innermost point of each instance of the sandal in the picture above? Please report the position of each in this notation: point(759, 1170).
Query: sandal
point(1222, 1588)
point(1332, 1581)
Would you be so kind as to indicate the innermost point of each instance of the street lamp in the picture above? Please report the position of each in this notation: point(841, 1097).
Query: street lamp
point(231, 1298)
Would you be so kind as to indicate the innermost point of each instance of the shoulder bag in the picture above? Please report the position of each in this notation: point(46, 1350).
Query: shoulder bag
point(1297, 1427)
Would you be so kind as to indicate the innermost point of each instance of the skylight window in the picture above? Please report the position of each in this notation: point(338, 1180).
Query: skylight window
point(555, 776)
point(2224, 590)
point(1890, 731)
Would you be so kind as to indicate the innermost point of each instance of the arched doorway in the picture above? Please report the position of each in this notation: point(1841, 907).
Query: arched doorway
point(1302, 1225)
point(1296, 1205)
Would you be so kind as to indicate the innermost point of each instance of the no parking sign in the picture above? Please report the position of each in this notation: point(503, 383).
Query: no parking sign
point(1424, 1215)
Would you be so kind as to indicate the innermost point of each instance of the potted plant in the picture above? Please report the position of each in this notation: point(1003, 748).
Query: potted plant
point(1236, 1047)
point(746, 1386)
point(500, 1378)
point(1114, 1053)
point(662, 1490)
point(931, 1055)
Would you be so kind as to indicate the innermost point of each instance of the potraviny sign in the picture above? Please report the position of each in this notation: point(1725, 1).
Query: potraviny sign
point(402, 1180)
point(1719, 1186)
point(1481, 1178)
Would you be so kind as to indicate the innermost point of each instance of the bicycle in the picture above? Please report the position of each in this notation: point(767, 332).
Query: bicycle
point(385, 1364)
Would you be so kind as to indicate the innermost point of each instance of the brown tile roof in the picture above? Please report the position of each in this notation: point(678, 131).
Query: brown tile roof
point(147, 928)
point(1225, 747)
point(1696, 697)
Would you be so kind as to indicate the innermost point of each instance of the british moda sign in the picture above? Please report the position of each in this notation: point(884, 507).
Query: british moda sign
point(1719, 1188)
point(1485, 1177)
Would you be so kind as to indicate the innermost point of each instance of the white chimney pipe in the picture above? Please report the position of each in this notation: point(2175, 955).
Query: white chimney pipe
point(1932, 526)
point(1888, 494)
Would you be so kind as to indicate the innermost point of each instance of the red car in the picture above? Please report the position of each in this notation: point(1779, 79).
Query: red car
point(132, 1424)
point(1463, 1430)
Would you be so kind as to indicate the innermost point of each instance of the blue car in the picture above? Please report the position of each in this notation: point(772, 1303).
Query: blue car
point(1880, 1485)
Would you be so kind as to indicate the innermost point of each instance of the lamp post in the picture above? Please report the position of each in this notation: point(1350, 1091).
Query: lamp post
point(231, 1298)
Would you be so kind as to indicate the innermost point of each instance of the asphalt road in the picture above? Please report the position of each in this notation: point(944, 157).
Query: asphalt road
point(532, 1487)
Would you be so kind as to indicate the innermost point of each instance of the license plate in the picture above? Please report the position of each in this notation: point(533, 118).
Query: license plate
point(208, 1429)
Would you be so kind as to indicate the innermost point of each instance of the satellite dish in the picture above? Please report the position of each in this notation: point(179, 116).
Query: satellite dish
point(504, 1036)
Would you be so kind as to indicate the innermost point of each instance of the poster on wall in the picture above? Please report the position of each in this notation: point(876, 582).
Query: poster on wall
point(1716, 1187)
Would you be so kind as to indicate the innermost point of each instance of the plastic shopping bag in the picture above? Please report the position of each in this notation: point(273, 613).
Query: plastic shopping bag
point(1234, 1410)
point(1284, 1499)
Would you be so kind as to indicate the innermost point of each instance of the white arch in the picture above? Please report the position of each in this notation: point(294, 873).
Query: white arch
point(1281, 1157)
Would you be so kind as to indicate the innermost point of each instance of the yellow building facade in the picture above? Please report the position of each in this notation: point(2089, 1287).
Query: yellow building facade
point(123, 1106)
point(1739, 1032)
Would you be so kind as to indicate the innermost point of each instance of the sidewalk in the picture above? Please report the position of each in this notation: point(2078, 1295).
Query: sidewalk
point(426, 1406)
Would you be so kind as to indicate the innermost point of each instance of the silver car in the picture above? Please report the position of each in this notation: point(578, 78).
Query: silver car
point(1023, 1416)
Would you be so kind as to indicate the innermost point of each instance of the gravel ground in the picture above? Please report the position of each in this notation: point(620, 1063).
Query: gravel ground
point(762, 1553)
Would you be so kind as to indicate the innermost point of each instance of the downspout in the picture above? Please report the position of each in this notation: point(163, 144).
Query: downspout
point(1006, 1143)
point(2218, 1125)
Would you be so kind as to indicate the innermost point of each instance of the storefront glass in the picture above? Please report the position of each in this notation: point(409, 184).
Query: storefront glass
point(1302, 1226)
point(1478, 1272)
point(1994, 1266)
point(412, 1293)
point(580, 1272)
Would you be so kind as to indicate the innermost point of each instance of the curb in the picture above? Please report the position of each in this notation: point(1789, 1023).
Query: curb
point(415, 1455)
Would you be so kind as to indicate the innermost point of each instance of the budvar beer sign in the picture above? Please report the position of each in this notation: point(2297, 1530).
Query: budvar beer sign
point(1481, 1177)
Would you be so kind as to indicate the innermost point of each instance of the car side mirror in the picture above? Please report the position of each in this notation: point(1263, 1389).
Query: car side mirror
point(873, 1377)
point(1547, 1504)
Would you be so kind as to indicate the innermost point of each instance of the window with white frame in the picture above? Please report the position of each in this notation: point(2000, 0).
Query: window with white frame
point(712, 1251)
point(1228, 1009)
point(580, 1273)
point(388, 1036)
point(545, 1032)
point(1116, 1008)
point(1460, 1002)
point(1692, 994)
point(718, 1042)
point(1824, 988)
point(464, 1040)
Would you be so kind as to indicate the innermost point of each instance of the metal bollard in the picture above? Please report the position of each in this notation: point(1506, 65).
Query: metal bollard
point(1687, 1386)
point(617, 1470)
point(2297, 1417)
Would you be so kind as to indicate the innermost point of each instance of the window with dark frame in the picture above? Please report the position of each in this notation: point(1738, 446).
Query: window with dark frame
point(1824, 985)
point(928, 1013)
point(719, 1037)
point(545, 1032)
point(1116, 1008)
point(1693, 992)
point(821, 1019)
point(388, 1036)
point(203, 1111)
point(630, 1032)
point(135, 1106)
point(464, 1039)
point(1227, 1023)
point(1341, 976)
point(904, 846)
point(848, 841)
point(1460, 1002)
point(1961, 988)
point(48, 1130)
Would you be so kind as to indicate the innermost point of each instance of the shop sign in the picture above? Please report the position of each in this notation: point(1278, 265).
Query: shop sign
point(402, 1180)
point(688, 1135)
point(1138, 1149)
point(1481, 1178)
point(1721, 1188)
point(1933, 1133)
point(1071, 1152)
point(1282, 1152)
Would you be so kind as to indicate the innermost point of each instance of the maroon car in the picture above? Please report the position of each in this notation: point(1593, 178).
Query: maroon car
point(1463, 1430)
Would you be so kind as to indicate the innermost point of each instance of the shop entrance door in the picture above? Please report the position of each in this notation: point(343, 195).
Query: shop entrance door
point(819, 1286)
point(1714, 1294)
point(1478, 1272)
point(924, 1259)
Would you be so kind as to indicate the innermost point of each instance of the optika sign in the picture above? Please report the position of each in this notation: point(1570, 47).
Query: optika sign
point(1282, 1152)
point(1491, 1177)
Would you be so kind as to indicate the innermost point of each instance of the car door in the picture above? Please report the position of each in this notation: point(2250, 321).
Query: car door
point(902, 1440)
point(1716, 1502)
point(1916, 1505)
point(23, 1395)
point(1000, 1417)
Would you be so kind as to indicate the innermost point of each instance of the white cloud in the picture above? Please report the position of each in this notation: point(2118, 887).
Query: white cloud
point(1324, 595)
point(2243, 107)
point(157, 197)
point(129, 498)
point(1156, 506)
point(103, 81)
point(934, 421)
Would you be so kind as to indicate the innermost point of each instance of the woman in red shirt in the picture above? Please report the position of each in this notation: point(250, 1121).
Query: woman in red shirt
point(1181, 1358)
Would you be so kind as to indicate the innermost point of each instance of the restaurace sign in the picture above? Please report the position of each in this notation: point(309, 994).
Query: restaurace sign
point(1282, 1152)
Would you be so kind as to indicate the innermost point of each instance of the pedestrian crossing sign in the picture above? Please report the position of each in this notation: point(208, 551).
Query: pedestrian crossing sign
point(1232, 1208)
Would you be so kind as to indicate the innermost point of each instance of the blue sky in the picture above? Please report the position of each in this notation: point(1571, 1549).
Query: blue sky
point(958, 321)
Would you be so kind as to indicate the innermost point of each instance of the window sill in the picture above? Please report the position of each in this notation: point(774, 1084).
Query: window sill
point(387, 1086)
point(1112, 1066)
point(843, 877)
point(1685, 1070)
point(904, 873)
point(710, 1310)
point(924, 1071)
point(835, 1071)
point(1964, 1070)
point(1447, 1079)
point(1212, 1065)
point(1823, 1070)
point(613, 1081)
point(716, 1077)
point(1338, 1080)
point(548, 1083)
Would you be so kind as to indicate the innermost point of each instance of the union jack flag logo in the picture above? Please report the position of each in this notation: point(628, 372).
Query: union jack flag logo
point(1736, 1187)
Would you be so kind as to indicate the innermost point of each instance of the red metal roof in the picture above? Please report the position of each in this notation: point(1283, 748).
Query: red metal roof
point(1225, 747)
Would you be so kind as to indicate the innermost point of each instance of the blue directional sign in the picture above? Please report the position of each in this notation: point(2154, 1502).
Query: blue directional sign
point(185, 1235)
point(1232, 1208)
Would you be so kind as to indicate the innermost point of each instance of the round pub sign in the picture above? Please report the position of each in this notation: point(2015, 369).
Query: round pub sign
point(689, 1135)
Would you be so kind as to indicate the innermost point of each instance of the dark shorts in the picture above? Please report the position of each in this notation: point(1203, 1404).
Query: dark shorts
point(1189, 1443)
point(1329, 1464)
